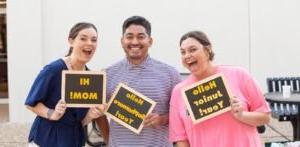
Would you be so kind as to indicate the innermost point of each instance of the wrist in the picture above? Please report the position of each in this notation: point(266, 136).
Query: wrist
point(164, 119)
point(50, 113)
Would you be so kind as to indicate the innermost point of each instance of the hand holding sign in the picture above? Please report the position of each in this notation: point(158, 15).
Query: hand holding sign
point(154, 120)
point(237, 107)
point(207, 98)
point(96, 111)
point(129, 108)
point(58, 112)
point(83, 88)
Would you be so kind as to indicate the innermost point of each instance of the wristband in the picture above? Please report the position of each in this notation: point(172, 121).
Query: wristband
point(49, 113)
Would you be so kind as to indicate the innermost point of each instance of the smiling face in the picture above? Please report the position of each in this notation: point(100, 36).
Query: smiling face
point(136, 42)
point(195, 57)
point(84, 45)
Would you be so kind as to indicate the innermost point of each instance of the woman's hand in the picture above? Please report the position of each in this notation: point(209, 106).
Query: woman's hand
point(251, 118)
point(58, 112)
point(93, 113)
point(96, 111)
point(236, 107)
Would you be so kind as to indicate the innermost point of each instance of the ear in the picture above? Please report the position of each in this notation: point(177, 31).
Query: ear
point(122, 41)
point(70, 40)
point(150, 41)
point(208, 50)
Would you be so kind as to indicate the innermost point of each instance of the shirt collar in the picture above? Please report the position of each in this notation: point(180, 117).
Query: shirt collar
point(143, 65)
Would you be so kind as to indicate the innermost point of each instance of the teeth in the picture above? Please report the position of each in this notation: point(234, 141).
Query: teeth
point(189, 62)
point(135, 48)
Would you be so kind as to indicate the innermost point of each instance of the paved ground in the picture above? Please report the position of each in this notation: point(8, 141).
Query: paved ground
point(15, 134)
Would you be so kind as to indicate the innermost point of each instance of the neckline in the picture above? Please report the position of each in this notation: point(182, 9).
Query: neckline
point(142, 65)
point(67, 62)
point(216, 70)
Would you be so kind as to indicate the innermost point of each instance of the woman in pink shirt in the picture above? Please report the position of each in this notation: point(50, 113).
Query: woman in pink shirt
point(235, 128)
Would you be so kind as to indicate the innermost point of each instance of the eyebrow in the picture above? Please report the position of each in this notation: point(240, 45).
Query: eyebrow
point(83, 35)
point(127, 34)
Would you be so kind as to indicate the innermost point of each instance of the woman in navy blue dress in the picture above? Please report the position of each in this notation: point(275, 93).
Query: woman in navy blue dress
point(55, 124)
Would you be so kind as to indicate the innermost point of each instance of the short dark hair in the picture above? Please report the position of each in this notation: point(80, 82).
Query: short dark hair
point(202, 39)
point(137, 20)
point(76, 29)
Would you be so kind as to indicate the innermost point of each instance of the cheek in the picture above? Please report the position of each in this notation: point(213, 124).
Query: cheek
point(206, 54)
point(183, 62)
point(124, 44)
point(182, 59)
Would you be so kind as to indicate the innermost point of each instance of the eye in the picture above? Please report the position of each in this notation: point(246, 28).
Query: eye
point(182, 52)
point(83, 39)
point(94, 39)
point(193, 49)
point(129, 37)
point(141, 37)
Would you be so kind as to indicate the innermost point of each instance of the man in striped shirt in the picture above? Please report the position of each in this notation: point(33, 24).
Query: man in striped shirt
point(146, 75)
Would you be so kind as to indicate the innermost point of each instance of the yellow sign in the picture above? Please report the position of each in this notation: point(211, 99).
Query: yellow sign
point(129, 108)
point(83, 88)
point(207, 98)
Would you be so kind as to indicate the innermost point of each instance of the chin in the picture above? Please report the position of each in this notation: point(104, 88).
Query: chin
point(85, 60)
point(135, 57)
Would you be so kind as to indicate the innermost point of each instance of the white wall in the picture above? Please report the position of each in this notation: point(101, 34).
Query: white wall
point(275, 39)
point(225, 22)
point(24, 42)
point(258, 35)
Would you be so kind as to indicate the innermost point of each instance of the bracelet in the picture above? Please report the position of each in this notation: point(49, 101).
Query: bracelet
point(49, 113)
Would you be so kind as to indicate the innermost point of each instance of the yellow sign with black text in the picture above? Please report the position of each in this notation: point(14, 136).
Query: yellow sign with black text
point(83, 88)
point(129, 107)
point(207, 98)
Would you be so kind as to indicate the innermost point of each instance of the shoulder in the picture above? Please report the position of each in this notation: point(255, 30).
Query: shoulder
point(235, 71)
point(232, 69)
point(116, 65)
point(54, 67)
point(189, 80)
point(162, 66)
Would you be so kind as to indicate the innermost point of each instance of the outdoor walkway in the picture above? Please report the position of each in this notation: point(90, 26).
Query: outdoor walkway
point(15, 134)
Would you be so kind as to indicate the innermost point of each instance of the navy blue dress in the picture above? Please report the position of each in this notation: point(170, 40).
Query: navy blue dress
point(66, 132)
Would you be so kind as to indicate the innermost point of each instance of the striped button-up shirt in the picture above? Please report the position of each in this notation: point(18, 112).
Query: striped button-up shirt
point(153, 79)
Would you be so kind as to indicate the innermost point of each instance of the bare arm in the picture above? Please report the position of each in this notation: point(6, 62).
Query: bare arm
point(254, 118)
point(39, 109)
point(93, 113)
point(52, 114)
point(250, 118)
point(182, 144)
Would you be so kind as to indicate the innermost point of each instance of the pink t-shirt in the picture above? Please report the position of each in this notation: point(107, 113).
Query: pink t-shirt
point(222, 130)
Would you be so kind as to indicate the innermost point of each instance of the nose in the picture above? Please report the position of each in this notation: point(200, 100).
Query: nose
point(90, 42)
point(187, 55)
point(135, 41)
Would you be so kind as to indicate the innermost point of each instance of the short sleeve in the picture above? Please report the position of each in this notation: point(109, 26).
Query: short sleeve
point(39, 89)
point(254, 95)
point(176, 78)
point(176, 125)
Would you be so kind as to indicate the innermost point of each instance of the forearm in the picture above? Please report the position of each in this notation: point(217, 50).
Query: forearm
point(93, 113)
point(86, 120)
point(255, 118)
point(40, 109)
point(164, 119)
point(182, 144)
